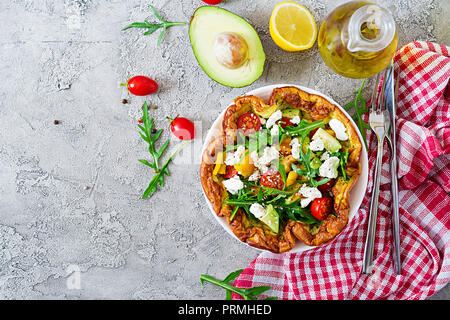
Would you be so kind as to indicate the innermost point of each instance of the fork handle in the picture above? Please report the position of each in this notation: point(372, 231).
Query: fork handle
point(371, 229)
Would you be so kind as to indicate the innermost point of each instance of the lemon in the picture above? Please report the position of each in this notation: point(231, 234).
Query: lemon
point(292, 26)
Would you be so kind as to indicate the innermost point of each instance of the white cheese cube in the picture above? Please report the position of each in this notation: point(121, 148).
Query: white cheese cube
point(339, 129)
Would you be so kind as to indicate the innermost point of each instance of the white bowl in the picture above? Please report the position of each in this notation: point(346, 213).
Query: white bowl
point(356, 194)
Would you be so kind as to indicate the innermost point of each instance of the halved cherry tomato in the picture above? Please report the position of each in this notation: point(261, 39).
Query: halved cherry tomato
point(230, 172)
point(141, 85)
point(286, 122)
point(326, 186)
point(182, 128)
point(213, 2)
point(272, 179)
point(321, 207)
point(249, 123)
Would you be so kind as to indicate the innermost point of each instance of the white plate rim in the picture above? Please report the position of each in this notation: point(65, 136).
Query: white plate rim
point(356, 194)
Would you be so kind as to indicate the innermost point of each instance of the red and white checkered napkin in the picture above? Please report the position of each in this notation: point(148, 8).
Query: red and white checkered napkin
point(333, 271)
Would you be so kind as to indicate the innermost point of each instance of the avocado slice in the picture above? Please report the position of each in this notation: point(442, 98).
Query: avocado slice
point(330, 143)
point(290, 113)
point(226, 46)
point(271, 218)
point(315, 163)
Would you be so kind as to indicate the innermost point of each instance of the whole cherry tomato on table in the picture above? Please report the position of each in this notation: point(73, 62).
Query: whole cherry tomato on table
point(321, 207)
point(182, 128)
point(141, 85)
point(212, 2)
point(249, 123)
point(272, 179)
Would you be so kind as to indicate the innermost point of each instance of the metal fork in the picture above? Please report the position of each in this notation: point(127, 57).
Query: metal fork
point(377, 124)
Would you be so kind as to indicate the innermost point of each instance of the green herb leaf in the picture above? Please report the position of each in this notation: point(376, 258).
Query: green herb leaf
point(159, 177)
point(303, 128)
point(247, 294)
point(151, 138)
point(360, 108)
point(152, 27)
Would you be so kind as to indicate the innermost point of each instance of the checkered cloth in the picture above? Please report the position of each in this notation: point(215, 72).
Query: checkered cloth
point(333, 271)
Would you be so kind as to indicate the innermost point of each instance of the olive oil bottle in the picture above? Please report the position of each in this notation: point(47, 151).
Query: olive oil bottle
point(358, 39)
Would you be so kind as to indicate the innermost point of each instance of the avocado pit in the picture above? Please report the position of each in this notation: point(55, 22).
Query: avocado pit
point(230, 50)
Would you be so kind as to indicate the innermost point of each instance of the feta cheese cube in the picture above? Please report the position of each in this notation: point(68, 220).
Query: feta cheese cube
point(325, 156)
point(295, 120)
point(255, 176)
point(233, 185)
point(277, 115)
point(329, 168)
point(275, 131)
point(295, 148)
point(233, 158)
point(339, 129)
point(257, 210)
point(269, 154)
point(309, 194)
point(316, 145)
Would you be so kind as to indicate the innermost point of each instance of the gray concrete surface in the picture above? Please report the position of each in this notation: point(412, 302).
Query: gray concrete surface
point(70, 193)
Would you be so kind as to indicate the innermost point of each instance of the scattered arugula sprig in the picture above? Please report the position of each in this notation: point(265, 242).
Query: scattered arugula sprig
point(151, 139)
point(152, 27)
point(359, 106)
point(247, 294)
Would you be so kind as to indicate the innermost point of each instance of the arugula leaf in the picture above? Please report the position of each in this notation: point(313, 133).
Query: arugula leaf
point(152, 27)
point(303, 128)
point(282, 172)
point(247, 294)
point(343, 158)
point(301, 215)
point(359, 106)
point(151, 138)
point(158, 179)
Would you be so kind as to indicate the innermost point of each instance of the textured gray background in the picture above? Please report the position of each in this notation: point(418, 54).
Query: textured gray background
point(64, 60)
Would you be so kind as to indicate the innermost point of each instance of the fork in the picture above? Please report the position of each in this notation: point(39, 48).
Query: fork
point(377, 124)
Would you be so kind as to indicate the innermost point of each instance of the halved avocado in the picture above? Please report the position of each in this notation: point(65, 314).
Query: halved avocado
point(211, 31)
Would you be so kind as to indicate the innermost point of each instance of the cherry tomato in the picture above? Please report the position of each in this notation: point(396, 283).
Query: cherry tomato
point(272, 179)
point(182, 128)
point(321, 207)
point(326, 186)
point(212, 2)
point(311, 133)
point(286, 122)
point(230, 172)
point(249, 123)
point(141, 85)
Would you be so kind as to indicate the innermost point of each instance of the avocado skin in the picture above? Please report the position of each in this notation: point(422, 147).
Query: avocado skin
point(208, 72)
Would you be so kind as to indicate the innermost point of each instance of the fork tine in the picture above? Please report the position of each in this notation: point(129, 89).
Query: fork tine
point(373, 100)
point(383, 87)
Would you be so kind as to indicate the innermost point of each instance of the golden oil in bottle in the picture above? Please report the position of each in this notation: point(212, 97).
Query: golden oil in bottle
point(358, 39)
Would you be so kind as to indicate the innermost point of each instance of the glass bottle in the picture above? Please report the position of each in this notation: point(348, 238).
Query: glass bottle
point(358, 39)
